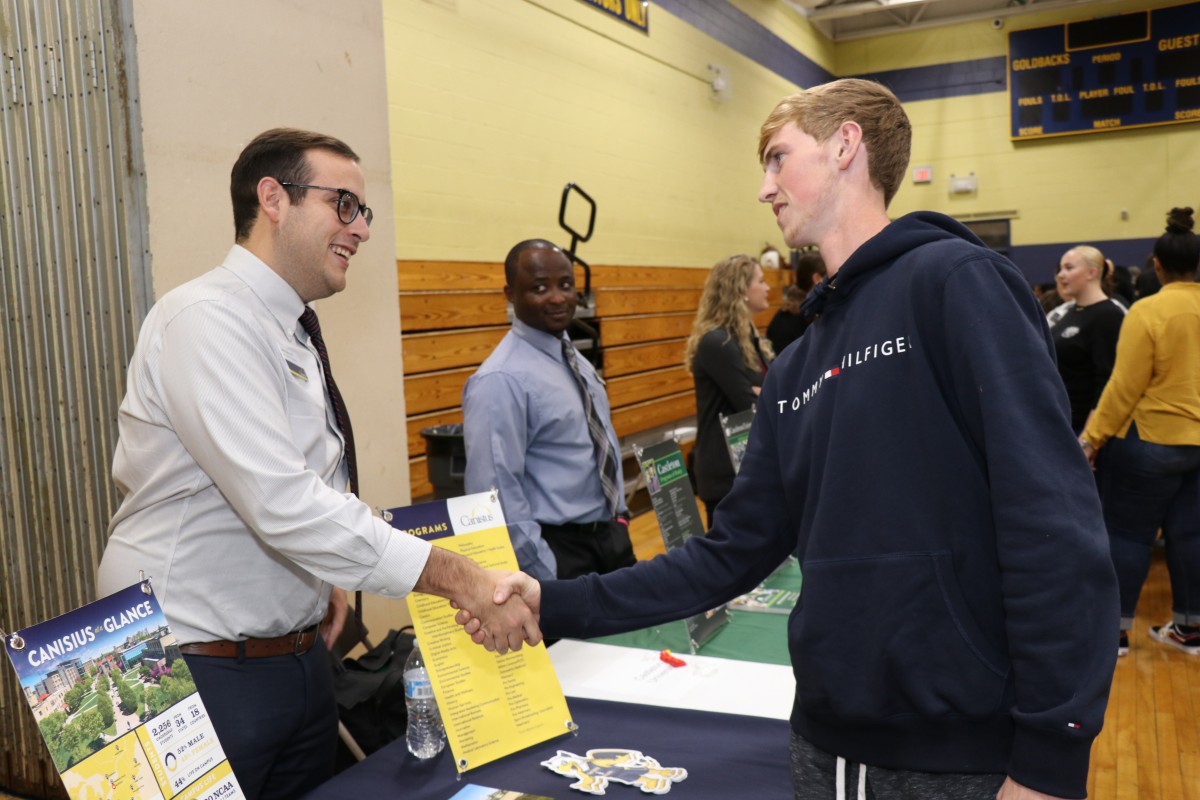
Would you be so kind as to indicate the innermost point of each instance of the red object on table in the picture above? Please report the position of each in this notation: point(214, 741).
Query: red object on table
point(666, 657)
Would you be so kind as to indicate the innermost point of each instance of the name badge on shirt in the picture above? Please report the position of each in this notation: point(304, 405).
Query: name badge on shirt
point(297, 370)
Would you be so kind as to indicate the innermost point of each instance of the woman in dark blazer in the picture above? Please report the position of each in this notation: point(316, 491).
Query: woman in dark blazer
point(728, 361)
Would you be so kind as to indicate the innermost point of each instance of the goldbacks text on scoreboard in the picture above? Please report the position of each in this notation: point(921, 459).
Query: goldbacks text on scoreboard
point(1108, 73)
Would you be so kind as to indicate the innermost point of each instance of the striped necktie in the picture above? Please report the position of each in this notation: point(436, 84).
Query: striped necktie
point(309, 321)
point(600, 443)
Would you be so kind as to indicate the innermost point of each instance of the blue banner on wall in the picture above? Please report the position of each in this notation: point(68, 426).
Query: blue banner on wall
point(1108, 73)
point(633, 12)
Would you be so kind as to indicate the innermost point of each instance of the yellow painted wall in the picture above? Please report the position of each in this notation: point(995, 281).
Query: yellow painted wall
point(1065, 189)
point(922, 48)
point(494, 105)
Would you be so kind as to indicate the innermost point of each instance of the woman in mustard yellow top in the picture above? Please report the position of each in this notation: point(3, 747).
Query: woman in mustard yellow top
point(1148, 424)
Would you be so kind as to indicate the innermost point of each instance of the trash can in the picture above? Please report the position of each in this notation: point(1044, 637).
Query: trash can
point(446, 459)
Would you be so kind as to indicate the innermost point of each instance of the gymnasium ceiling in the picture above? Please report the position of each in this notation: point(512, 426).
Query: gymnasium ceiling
point(844, 20)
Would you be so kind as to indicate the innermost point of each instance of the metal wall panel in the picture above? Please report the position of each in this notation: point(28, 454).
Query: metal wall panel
point(74, 286)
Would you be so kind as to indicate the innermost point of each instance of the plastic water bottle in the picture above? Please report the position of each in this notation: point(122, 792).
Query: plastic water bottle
point(425, 736)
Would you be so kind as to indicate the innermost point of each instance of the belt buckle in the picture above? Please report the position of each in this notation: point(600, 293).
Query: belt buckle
point(298, 643)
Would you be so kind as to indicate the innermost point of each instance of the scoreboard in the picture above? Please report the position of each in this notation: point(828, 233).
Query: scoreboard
point(1108, 73)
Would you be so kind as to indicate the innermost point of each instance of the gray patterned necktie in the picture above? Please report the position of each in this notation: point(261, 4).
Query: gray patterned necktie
point(600, 442)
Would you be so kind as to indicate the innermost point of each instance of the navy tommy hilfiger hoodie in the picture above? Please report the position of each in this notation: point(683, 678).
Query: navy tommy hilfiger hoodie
point(959, 608)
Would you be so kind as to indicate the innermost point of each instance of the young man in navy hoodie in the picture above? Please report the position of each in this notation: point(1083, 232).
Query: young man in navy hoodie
point(957, 631)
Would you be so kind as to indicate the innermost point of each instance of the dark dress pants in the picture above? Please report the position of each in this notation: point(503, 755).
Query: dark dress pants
point(276, 719)
point(583, 548)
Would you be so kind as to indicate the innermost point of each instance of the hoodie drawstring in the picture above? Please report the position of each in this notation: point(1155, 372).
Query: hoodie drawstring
point(814, 301)
point(840, 780)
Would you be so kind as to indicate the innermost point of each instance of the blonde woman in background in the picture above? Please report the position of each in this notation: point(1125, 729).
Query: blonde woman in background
point(1085, 331)
point(728, 360)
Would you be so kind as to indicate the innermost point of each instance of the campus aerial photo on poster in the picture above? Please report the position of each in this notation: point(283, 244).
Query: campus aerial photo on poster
point(116, 703)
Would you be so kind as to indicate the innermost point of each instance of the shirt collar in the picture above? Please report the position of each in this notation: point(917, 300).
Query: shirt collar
point(274, 292)
point(548, 343)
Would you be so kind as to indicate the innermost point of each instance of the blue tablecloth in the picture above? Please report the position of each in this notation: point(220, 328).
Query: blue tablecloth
point(725, 755)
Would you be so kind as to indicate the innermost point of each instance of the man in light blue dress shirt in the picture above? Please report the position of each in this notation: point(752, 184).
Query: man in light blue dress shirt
point(526, 429)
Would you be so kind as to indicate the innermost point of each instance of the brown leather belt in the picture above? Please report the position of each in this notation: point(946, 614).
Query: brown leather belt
point(295, 643)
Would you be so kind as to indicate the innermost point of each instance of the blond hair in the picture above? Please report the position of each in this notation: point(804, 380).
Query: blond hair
point(723, 306)
point(1096, 260)
point(821, 110)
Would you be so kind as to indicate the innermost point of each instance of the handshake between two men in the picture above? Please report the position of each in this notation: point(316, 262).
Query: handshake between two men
point(508, 618)
point(497, 609)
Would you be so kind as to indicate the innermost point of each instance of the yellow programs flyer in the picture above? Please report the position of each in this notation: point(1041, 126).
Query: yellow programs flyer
point(491, 705)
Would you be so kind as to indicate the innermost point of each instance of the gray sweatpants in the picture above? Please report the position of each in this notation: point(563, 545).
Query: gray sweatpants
point(817, 775)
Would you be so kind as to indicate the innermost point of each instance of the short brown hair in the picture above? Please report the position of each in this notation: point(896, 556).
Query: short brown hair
point(809, 264)
point(280, 153)
point(793, 296)
point(820, 111)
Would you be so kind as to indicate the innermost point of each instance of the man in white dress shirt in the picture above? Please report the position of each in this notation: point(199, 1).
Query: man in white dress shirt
point(232, 460)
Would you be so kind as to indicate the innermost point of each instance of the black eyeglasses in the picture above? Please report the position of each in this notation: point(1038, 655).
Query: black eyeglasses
point(348, 205)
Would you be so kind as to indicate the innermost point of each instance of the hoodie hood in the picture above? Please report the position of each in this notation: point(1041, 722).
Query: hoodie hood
point(899, 237)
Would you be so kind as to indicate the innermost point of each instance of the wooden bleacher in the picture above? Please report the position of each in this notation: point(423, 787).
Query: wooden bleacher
point(453, 313)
